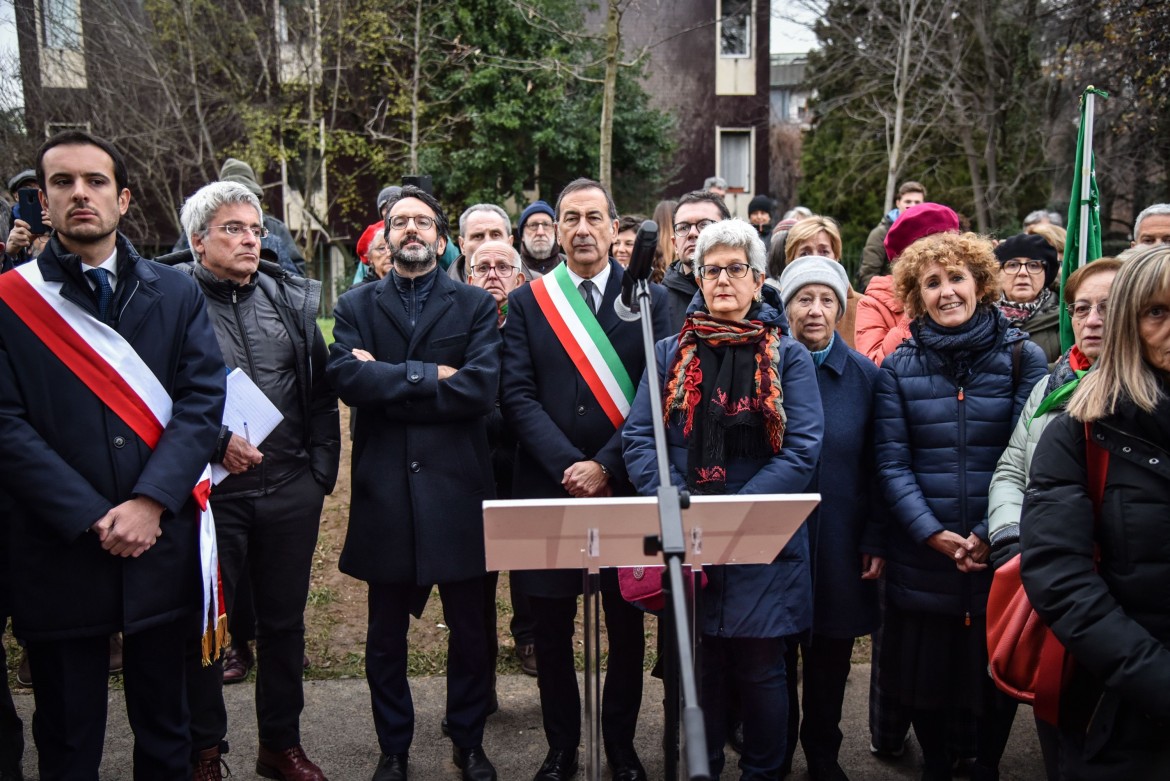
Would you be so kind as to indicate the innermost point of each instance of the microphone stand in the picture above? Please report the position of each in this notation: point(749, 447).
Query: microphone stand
point(672, 545)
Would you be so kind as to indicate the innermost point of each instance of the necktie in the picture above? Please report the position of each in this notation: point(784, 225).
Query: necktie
point(586, 288)
point(101, 278)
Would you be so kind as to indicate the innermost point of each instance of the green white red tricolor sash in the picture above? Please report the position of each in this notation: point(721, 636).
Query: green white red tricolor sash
point(585, 341)
point(108, 365)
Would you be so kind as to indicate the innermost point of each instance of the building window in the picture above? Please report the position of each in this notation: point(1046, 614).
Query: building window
point(61, 23)
point(735, 28)
point(53, 128)
point(735, 159)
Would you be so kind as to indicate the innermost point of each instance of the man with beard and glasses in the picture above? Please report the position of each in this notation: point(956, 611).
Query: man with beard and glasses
point(418, 355)
point(538, 241)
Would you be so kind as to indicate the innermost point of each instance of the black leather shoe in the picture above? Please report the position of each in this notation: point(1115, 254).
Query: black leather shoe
point(559, 765)
point(625, 765)
point(391, 767)
point(474, 764)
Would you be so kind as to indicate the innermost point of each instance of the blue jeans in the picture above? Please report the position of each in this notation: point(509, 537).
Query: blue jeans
point(754, 669)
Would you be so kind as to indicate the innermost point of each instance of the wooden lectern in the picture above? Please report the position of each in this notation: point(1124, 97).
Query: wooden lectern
point(589, 534)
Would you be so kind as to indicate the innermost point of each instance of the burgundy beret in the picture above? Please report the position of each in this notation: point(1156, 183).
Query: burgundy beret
point(917, 223)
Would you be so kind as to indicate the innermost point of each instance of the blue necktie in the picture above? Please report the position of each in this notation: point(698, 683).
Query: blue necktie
point(101, 278)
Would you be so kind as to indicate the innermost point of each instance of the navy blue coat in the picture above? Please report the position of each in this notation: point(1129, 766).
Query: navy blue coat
point(68, 459)
point(556, 419)
point(851, 518)
point(936, 455)
point(421, 466)
point(747, 600)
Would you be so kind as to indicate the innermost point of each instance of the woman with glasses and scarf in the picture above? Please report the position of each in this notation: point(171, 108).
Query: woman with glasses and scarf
point(1027, 268)
point(743, 416)
point(947, 401)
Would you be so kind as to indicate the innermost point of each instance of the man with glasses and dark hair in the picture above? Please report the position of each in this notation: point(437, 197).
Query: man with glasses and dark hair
point(566, 393)
point(418, 355)
point(538, 240)
point(268, 509)
point(695, 211)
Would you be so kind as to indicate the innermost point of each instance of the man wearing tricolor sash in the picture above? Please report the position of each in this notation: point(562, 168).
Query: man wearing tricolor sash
point(571, 368)
point(111, 395)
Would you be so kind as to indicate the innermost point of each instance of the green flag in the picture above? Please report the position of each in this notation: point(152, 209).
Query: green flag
point(1080, 250)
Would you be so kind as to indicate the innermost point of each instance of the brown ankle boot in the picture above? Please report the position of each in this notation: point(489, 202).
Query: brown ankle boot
point(209, 765)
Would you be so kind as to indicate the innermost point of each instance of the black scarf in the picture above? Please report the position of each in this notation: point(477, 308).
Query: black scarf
point(958, 347)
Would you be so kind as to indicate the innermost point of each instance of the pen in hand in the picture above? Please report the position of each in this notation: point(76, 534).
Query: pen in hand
point(247, 436)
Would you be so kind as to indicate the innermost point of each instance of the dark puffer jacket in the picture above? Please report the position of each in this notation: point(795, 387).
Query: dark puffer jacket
point(1115, 621)
point(936, 453)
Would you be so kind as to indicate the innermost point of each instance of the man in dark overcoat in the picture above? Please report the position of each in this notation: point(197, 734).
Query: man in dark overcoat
point(570, 446)
point(104, 528)
point(417, 354)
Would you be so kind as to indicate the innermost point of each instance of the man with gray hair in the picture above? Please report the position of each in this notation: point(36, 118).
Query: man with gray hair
point(268, 509)
point(479, 223)
point(1041, 217)
point(716, 185)
point(1152, 226)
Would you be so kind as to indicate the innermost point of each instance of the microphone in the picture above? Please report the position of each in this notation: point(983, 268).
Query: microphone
point(640, 267)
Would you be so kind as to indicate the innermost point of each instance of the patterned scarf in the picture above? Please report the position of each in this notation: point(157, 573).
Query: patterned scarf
point(729, 371)
point(1017, 313)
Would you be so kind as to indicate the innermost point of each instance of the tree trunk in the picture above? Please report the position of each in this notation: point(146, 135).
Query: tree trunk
point(977, 191)
point(902, 86)
point(609, 93)
point(415, 86)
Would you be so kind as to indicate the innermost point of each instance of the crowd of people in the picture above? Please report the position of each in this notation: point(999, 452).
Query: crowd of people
point(934, 411)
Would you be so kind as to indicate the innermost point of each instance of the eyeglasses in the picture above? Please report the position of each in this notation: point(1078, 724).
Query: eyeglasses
point(1014, 266)
point(734, 270)
point(503, 270)
point(681, 229)
point(533, 226)
point(400, 221)
point(1079, 310)
point(235, 229)
point(379, 249)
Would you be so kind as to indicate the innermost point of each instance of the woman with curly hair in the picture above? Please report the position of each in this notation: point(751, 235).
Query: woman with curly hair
point(947, 401)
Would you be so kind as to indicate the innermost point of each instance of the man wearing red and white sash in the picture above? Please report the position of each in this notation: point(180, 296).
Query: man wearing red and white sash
point(111, 396)
point(571, 369)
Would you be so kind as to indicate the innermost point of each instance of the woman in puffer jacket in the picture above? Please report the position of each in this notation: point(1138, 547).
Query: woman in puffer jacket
point(1101, 583)
point(946, 404)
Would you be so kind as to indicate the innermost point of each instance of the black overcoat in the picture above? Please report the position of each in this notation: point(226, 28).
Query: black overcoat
point(555, 416)
point(68, 459)
point(421, 466)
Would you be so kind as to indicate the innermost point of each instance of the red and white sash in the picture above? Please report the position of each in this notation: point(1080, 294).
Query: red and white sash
point(108, 365)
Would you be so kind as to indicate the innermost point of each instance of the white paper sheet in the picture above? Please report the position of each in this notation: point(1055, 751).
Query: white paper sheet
point(248, 413)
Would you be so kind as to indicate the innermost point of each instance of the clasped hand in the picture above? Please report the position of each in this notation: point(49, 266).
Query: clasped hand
point(969, 554)
point(131, 528)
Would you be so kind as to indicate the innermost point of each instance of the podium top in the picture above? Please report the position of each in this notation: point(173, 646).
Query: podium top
point(539, 534)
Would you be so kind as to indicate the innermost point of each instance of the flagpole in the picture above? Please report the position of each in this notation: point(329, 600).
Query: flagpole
point(1086, 179)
